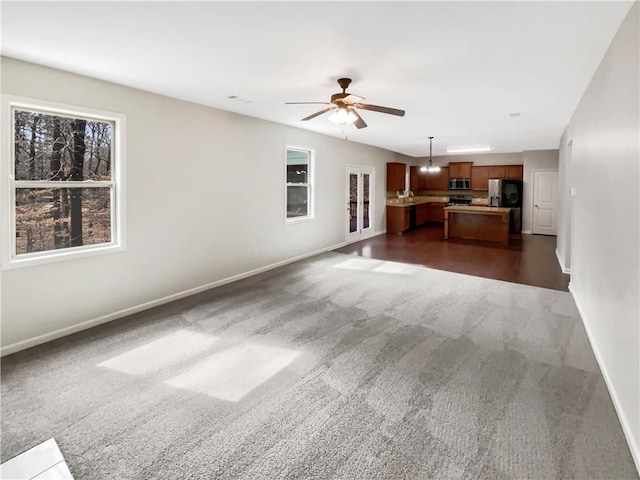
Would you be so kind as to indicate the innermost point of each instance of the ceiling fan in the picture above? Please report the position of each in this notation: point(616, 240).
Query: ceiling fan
point(344, 106)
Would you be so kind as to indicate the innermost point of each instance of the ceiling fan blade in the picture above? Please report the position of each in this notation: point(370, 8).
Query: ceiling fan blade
point(314, 115)
point(307, 103)
point(359, 123)
point(377, 108)
point(351, 99)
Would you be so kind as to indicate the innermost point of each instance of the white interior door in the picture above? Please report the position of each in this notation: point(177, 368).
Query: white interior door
point(545, 193)
point(359, 202)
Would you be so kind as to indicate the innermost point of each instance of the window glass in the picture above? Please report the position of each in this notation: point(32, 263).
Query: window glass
point(299, 184)
point(54, 147)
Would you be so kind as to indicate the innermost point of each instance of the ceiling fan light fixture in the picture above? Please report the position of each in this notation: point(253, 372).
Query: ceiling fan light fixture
point(343, 116)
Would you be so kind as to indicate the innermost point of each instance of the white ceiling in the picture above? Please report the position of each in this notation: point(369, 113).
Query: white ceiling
point(457, 68)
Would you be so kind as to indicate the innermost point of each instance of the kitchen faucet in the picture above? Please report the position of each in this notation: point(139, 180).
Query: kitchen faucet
point(410, 193)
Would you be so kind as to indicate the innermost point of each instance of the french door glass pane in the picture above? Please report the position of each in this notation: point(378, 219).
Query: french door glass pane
point(353, 202)
point(365, 201)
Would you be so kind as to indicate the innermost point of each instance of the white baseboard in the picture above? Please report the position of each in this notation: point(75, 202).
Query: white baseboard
point(63, 332)
point(631, 441)
point(527, 232)
point(364, 237)
point(561, 262)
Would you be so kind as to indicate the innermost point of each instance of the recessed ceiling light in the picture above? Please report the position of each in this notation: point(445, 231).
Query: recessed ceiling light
point(469, 149)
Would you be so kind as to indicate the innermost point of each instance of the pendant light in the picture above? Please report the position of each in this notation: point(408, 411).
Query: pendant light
point(430, 167)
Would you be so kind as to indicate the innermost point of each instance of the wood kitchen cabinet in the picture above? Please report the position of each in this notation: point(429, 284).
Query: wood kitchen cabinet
point(460, 169)
point(396, 176)
point(480, 178)
point(497, 171)
point(423, 213)
point(504, 171)
point(398, 219)
point(513, 171)
point(438, 181)
point(436, 212)
point(417, 179)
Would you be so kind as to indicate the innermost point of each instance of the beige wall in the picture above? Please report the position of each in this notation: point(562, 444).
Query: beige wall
point(600, 221)
point(205, 187)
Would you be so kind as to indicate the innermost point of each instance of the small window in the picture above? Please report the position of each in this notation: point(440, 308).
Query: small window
point(299, 193)
point(64, 183)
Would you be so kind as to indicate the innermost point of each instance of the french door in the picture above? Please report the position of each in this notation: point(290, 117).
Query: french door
point(359, 202)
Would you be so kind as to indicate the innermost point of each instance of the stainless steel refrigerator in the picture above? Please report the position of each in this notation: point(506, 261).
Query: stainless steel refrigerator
point(495, 192)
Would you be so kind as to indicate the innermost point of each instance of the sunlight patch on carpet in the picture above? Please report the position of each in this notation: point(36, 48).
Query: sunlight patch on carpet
point(377, 266)
point(160, 353)
point(232, 374)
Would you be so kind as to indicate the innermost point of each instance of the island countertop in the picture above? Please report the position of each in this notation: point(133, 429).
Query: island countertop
point(407, 202)
point(478, 209)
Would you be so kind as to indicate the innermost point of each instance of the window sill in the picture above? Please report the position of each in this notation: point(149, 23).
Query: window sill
point(33, 259)
point(294, 220)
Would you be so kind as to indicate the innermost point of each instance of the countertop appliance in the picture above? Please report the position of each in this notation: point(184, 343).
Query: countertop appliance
point(459, 184)
point(508, 193)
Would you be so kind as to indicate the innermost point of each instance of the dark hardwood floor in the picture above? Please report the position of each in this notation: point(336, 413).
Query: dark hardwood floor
point(530, 260)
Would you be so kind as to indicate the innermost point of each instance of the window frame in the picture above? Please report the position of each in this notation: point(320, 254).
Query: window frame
point(9, 259)
point(309, 185)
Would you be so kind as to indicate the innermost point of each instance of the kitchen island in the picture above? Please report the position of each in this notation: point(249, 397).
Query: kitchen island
point(477, 223)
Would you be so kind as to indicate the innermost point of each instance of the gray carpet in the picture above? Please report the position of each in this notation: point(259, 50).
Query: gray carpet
point(333, 367)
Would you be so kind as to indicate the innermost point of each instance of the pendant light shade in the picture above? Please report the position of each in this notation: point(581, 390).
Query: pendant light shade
point(430, 167)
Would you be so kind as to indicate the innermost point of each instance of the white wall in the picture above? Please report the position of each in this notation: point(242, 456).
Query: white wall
point(534, 160)
point(205, 187)
point(605, 241)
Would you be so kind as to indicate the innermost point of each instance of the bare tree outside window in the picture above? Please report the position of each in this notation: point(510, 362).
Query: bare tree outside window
point(75, 153)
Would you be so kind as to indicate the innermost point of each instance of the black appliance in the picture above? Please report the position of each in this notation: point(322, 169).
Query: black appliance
point(459, 184)
point(512, 198)
point(412, 216)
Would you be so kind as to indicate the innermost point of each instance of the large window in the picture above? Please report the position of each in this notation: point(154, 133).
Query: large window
point(64, 183)
point(299, 171)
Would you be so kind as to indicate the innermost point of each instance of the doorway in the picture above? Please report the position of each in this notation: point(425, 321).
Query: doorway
point(545, 205)
point(359, 195)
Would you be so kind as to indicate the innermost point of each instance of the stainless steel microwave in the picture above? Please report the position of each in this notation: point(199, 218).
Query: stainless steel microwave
point(459, 184)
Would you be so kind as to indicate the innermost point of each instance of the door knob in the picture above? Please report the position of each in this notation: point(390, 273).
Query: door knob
point(536, 206)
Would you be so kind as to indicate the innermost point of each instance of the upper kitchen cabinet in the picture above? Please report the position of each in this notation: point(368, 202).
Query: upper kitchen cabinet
point(480, 178)
point(417, 179)
point(396, 176)
point(513, 171)
point(439, 180)
point(506, 171)
point(413, 179)
point(460, 169)
point(497, 171)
